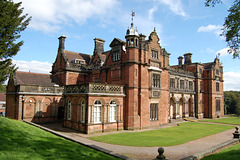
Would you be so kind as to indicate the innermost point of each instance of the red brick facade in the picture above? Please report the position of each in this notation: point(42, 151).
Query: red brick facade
point(132, 86)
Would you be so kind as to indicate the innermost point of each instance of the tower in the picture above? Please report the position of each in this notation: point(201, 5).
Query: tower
point(132, 74)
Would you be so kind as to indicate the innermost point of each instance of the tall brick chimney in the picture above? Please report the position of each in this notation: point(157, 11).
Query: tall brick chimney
point(62, 42)
point(99, 46)
point(187, 58)
point(180, 58)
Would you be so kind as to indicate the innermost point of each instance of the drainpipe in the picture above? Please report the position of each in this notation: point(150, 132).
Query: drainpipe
point(208, 95)
point(23, 106)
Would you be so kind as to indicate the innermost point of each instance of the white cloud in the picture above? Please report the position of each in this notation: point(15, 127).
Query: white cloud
point(50, 15)
point(231, 81)
point(33, 66)
point(175, 6)
point(223, 52)
point(216, 29)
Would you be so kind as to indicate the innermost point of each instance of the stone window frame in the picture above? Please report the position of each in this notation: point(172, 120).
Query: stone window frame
point(201, 87)
point(113, 111)
point(217, 87)
point(153, 112)
point(97, 112)
point(190, 85)
point(83, 110)
point(200, 71)
point(217, 72)
point(156, 80)
point(116, 54)
point(172, 82)
point(182, 84)
point(154, 54)
point(69, 110)
point(218, 105)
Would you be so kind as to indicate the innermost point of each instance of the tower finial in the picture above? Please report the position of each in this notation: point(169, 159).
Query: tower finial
point(133, 14)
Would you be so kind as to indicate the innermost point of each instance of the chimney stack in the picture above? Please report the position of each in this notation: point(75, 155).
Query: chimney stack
point(62, 42)
point(187, 58)
point(180, 58)
point(99, 46)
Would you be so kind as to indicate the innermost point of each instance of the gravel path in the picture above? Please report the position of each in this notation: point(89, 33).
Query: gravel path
point(145, 153)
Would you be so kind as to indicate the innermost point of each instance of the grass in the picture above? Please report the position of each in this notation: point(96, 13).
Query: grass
point(229, 120)
point(231, 153)
point(163, 137)
point(22, 141)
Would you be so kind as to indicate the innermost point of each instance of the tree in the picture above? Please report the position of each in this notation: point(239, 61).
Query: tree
point(231, 26)
point(3, 89)
point(12, 22)
point(232, 102)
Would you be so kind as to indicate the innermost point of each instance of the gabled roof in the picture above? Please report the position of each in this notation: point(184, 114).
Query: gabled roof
point(104, 55)
point(29, 78)
point(75, 55)
point(116, 41)
point(208, 65)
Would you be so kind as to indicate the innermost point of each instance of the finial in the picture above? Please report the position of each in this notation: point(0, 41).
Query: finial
point(133, 14)
point(154, 29)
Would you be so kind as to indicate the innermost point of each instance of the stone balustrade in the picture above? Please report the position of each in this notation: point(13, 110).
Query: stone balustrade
point(94, 88)
point(40, 89)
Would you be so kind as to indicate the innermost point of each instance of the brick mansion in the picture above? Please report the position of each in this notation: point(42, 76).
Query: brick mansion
point(131, 86)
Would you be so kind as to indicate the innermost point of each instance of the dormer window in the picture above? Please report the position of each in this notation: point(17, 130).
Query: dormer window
point(78, 61)
point(116, 56)
point(154, 54)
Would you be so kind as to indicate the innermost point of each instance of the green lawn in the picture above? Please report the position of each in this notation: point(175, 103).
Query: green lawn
point(21, 141)
point(230, 120)
point(231, 153)
point(163, 137)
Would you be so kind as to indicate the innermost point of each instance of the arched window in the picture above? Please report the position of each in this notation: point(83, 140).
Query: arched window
point(83, 108)
point(69, 110)
point(97, 111)
point(113, 111)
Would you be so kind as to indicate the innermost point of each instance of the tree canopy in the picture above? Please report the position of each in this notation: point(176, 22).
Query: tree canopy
point(12, 22)
point(231, 26)
point(232, 102)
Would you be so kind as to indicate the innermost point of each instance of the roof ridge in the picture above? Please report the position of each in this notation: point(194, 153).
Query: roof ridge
point(33, 73)
point(78, 52)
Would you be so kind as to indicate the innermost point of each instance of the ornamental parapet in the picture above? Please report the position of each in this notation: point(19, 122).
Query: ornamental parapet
point(39, 89)
point(94, 88)
point(175, 90)
point(181, 72)
point(78, 67)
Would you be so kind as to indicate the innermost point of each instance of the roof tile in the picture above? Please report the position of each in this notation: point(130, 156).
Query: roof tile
point(29, 78)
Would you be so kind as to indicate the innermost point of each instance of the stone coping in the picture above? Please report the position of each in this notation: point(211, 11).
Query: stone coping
point(212, 150)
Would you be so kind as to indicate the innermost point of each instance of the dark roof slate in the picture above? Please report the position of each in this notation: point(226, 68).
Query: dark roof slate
point(208, 65)
point(29, 78)
point(75, 55)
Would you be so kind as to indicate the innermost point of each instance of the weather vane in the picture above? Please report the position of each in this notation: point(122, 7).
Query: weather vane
point(133, 14)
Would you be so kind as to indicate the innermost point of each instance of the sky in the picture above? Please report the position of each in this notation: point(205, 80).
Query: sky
point(183, 26)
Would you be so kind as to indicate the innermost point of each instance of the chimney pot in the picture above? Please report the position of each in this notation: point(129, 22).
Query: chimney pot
point(62, 42)
point(180, 58)
point(187, 58)
point(99, 46)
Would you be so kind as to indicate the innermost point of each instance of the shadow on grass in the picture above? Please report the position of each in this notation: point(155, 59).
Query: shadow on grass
point(22, 141)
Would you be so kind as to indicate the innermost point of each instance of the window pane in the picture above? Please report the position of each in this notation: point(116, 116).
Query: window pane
point(113, 111)
point(153, 112)
point(97, 111)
